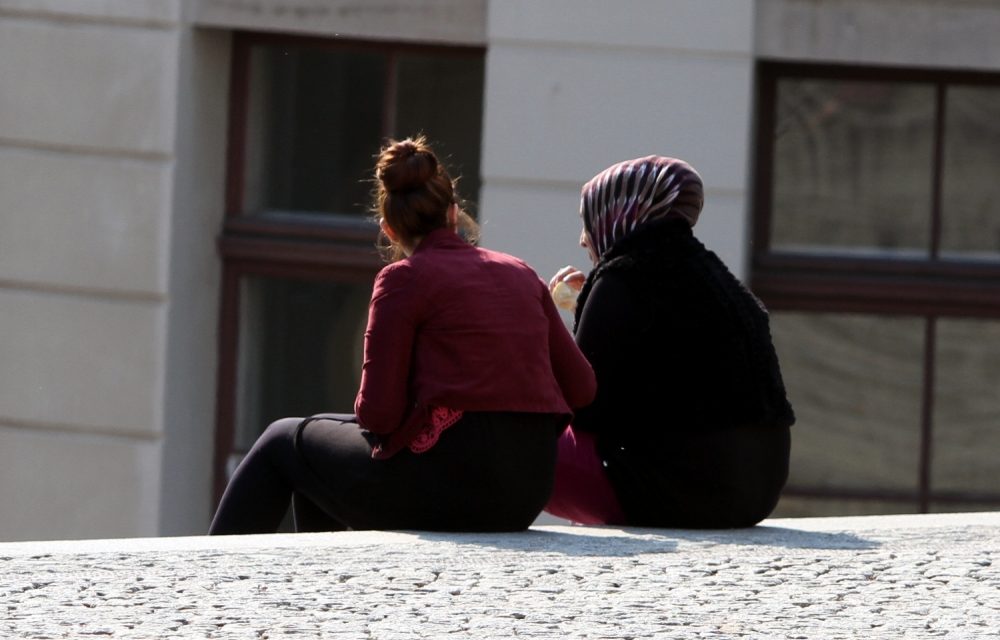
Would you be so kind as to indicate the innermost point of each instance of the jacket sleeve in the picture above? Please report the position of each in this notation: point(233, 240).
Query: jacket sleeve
point(572, 370)
point(606, 333)
point(383, 399)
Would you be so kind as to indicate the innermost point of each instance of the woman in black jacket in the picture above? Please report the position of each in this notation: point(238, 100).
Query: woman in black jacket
point(690, 426)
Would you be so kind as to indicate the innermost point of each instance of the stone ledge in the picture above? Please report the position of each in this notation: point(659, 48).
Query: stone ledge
point(870, 577)
point(136, 13)
point(461, 22)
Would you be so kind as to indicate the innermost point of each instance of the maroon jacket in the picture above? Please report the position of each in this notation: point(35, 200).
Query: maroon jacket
point(465, 328)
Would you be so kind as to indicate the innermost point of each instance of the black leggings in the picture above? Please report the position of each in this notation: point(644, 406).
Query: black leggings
point(490, 471)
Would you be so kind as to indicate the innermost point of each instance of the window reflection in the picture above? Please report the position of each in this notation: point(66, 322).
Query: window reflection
point(317, 117)
point(314, 125)
point(970, 225)
point(441, 97)
point(855, 382)
point(301, 346)
point(853, 167)
point(898, 166)
point(966, 453)
point(799, 507)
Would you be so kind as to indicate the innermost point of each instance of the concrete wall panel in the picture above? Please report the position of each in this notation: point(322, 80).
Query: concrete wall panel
point(573, 87)
point(81, 364)
point(544, 210)
point(100, 88)
point(715, 26)
point(70, 486)
point(581, 110)
point(445, 21)
point(724, 228)
point(146, 12)
point(192, 313)
point(923, 33)
point(83, 221)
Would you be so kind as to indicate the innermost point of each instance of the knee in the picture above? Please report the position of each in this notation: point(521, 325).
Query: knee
point(280, 434)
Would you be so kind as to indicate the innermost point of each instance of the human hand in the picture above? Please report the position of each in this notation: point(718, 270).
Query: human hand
point(565, 287)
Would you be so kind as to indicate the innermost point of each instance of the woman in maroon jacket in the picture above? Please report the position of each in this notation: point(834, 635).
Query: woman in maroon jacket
point(469, 377)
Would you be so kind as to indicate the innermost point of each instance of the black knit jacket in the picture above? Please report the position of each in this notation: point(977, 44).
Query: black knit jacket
point(696, 343)
point(678, 344)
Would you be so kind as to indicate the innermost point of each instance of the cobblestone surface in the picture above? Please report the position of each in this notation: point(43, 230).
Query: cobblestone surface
point(885, 577)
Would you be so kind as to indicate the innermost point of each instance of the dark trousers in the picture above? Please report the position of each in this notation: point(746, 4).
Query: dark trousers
point(491, 471)
point(718, 479)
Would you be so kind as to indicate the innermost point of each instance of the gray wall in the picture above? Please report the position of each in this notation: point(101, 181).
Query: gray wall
point(574, 86)
point(924, 33)
point(87, 168)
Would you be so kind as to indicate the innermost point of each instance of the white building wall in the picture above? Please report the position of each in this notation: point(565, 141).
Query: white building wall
point(922, 33)
point(193, 289)
point(424, 21)
point(87, 126)
point(573, 86)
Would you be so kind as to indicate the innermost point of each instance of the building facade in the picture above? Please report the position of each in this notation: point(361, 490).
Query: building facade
point(185, 251)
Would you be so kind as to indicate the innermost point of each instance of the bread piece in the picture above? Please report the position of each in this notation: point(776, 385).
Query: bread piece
point(565, 296)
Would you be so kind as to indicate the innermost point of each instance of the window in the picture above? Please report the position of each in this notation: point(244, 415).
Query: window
point(307, 117)
point(877, 250)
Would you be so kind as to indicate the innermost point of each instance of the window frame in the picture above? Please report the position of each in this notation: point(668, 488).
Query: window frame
point(953, 286)
point(927, 288)
point(316, 248)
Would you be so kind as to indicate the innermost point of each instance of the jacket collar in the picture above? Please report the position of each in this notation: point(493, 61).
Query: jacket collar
point(443, 237)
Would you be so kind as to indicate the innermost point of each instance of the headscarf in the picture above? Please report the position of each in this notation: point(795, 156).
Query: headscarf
point(633, 192)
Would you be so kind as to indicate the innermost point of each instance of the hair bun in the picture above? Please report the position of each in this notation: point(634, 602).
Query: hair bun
point(407, 164)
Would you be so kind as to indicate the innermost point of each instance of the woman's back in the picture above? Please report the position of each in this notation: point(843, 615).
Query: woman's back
point(466, 328)
point(676, 342)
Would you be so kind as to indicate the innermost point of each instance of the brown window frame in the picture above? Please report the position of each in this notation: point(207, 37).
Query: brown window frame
point(905, 285)
point(928, 288)
point(317, 249)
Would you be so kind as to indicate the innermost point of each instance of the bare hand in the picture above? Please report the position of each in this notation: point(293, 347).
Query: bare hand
point(572, 276)
point(565, 287)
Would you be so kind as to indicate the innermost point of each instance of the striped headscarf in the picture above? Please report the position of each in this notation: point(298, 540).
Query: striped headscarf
point(630, 193)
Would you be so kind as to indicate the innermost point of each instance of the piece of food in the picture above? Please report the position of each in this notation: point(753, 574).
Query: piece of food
point(565, 296)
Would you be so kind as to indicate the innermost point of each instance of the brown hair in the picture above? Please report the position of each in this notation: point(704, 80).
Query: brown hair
point(413, 192)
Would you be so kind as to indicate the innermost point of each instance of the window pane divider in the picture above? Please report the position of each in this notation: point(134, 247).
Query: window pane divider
point(867, 293)
point(937, 171)
point(309, 227)
point(927, 414)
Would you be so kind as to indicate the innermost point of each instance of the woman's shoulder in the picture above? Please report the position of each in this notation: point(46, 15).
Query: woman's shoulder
point(400, 269)
point(394, 277)
point(500, 256)
point(507, 265)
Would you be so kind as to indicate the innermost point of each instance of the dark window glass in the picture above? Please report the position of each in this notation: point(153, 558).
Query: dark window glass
point(300, 350)
point(314, 126)
point(967, 407)
point(853, 167)
point(971, 191)
point(317, 118)
point(442, 98)
point(877, 249)
point(795, 506)
point(856, 382)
